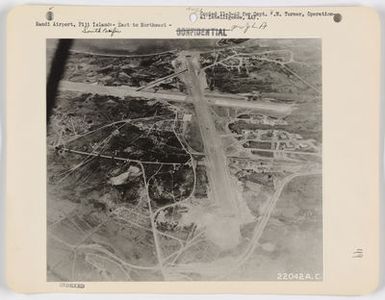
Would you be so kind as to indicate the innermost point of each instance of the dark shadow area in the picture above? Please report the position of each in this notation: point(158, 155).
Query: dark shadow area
point(56, 73)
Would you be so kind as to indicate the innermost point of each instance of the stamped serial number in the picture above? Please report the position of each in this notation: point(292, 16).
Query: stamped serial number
point(72, 285)
point(298, 276)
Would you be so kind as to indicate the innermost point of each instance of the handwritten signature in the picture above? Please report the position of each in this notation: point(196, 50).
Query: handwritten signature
point(111, 30)
point(246, 27)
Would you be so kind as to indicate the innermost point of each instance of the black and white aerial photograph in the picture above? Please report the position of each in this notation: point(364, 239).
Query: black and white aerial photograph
point(184, 160)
